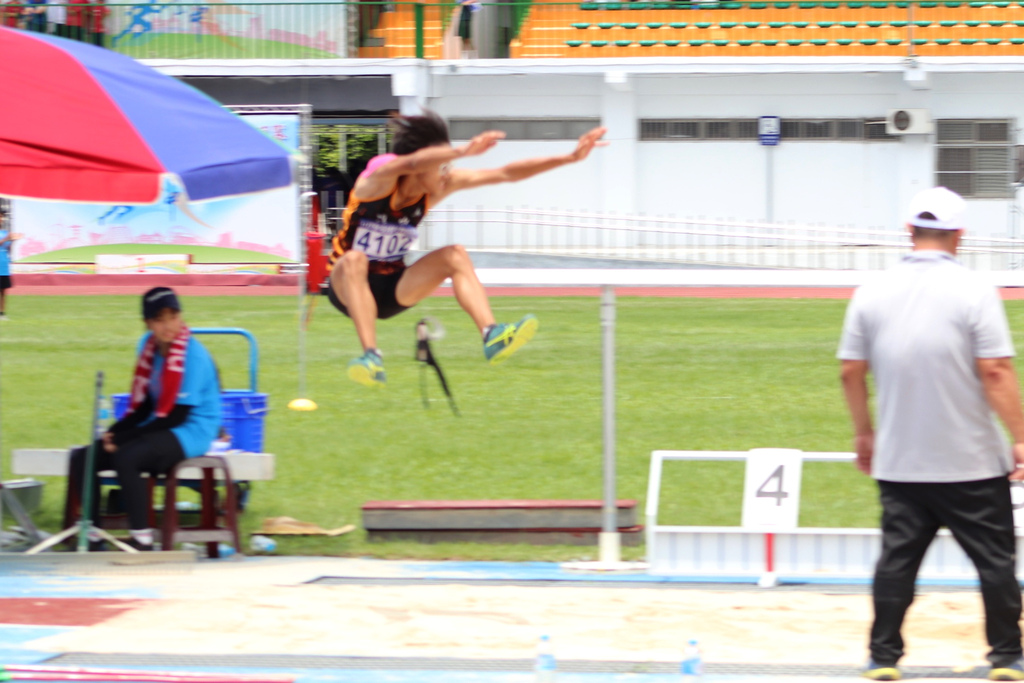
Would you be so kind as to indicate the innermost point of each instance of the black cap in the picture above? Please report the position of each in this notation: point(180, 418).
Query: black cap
point(157, 299)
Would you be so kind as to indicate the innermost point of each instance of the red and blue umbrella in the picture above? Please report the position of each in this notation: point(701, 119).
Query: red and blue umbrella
point(81, 123)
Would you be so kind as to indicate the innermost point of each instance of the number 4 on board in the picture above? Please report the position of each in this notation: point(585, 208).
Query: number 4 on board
point(771, 491)
point(778, 494)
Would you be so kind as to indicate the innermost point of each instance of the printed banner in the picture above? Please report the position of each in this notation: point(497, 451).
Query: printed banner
point(283, 128)
point(218, 30)
point(256, 228)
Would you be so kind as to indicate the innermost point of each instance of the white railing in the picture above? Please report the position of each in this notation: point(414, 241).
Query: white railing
point(699, 241)
point(802, 554)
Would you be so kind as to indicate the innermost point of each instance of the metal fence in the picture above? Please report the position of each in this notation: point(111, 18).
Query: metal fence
point(310, 30)
point(669, 240)
point(247, 30)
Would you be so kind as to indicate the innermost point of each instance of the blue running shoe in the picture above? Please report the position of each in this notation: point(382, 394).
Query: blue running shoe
point(368, 370)
point(1013, 672)
point(504, 339)
point(878, 672)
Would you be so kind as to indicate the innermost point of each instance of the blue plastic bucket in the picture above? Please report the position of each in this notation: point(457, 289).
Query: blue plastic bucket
point(120, 402)
point(242, 412)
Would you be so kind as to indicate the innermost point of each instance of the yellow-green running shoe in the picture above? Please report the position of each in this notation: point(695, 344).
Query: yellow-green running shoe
point(1013, 672)
point(504, 339)
point(368, 370)
point(877, 672)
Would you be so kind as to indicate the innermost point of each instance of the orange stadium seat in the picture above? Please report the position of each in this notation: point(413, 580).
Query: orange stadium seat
point(804, 28)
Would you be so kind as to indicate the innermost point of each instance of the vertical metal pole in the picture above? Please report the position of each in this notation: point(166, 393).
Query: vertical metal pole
point(609, 542)
point(343, 150)
point(418, 13)
point(86, 521)
point(911, 52)
point(305, 224)
point(302, 333)
point(769, 184)
point(302, 341)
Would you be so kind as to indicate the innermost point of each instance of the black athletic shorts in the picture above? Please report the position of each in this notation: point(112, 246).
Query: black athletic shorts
point(383, 289)
point(6, 282)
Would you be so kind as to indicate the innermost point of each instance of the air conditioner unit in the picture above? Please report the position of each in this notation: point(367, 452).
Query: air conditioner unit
point(908, 122)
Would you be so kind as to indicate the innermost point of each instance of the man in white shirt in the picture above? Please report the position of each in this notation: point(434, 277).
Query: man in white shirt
point(935, 337)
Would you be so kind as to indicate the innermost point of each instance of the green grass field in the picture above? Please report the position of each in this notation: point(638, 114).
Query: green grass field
point(200, 254)
point(691, 374)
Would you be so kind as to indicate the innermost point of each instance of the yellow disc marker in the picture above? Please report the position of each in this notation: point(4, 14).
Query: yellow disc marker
point(302, 404)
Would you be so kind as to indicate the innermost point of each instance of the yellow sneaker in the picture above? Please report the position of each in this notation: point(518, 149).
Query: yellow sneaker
point(1013, 672)
point(505, 339)
point(368, 370)
point(877, 672)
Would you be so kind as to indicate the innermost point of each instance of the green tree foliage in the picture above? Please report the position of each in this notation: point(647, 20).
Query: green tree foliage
point(361, 146)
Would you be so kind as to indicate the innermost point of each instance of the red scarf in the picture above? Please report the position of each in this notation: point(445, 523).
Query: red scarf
point(170, 379)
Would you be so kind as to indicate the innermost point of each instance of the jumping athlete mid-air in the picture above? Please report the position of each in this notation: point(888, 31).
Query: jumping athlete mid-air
point(369, 278)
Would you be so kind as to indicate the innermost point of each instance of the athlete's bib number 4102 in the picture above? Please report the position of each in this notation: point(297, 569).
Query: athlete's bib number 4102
point(383, 242)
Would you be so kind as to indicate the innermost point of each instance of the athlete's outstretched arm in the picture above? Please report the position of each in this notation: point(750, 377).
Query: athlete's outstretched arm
point(463, 179)
point(384, 177)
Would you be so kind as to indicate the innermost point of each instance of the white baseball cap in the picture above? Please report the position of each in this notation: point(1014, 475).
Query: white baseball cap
point(946, 206)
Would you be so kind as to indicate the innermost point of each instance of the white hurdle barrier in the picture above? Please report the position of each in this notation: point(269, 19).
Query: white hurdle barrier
point(802, 554)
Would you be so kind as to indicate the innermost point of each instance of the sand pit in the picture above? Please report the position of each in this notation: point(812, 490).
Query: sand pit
point(270, 613)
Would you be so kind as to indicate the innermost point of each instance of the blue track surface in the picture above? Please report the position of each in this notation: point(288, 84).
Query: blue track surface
point(13, 639)
point(67, 587)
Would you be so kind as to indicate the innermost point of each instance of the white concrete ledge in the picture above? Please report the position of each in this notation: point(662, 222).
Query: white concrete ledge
point(697, 277)
point(53, 462)
point(591, 66)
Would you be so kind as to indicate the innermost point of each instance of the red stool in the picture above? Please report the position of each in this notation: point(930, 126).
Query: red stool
point(208, 530)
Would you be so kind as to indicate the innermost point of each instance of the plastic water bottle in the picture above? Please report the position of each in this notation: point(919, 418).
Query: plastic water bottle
point(262, 544)
point(105, 417)
point(544, 665)
point(692, 666)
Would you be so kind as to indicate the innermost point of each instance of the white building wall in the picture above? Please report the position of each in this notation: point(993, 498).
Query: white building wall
point(576, 187)
point(702, 179)
point(512, 94)
point(838, 183)
point(861, 184)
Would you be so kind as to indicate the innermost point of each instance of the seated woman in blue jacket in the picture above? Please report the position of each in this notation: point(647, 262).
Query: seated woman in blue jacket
point(174, 414)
